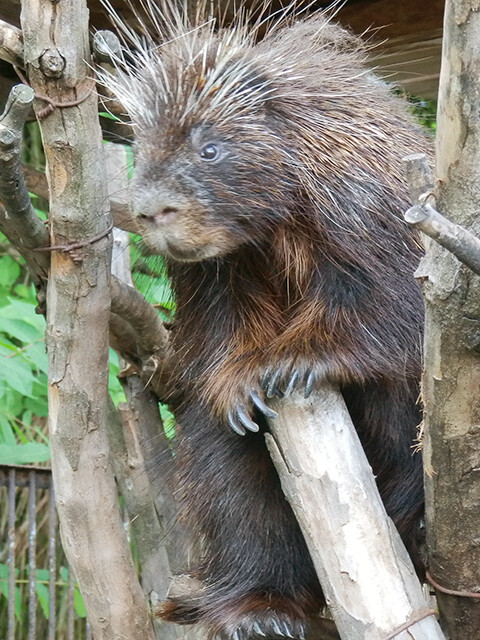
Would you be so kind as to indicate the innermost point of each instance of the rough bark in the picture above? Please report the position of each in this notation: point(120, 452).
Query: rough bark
point(18, 220)
point(463, 244)
point(149, 527)
point(56, 49)
point(140, 449)
point(366, 574)
point(11, 45)
point(451, 381)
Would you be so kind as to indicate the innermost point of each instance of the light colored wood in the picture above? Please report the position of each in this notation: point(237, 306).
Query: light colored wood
point(56, 50)
point(451, 382)
point(11, 45)
point(366, 574)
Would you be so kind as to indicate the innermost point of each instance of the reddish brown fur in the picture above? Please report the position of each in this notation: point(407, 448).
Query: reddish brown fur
point(287, 252)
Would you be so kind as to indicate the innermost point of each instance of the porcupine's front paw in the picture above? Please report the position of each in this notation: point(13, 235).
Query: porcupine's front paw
point(276, 381)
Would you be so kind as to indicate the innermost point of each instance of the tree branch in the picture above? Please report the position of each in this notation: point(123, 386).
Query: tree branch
point(139, 335)
point(463, 244)
point(11, 44)
point(18, 221)
point(366, 574)
point(144, 341)
point(149, 526)
point(140, 450)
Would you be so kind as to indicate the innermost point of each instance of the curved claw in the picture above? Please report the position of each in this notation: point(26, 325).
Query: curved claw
point(258, 630)
point(237, 428)
point(292, 382)
point(300, 631)
point(264, 378)
point(288, 631)
point(309, 384)
point(271, 389)
point(246, 421)
point(261, 406)
point(281, 628)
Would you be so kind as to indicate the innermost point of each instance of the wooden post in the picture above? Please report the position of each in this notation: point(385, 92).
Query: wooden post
point(451, 383)
point(56, 53)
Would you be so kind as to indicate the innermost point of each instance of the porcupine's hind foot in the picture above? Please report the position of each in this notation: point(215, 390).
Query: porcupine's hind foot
point(254, 616)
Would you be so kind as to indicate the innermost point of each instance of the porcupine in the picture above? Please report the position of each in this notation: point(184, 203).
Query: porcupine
point(268, 174)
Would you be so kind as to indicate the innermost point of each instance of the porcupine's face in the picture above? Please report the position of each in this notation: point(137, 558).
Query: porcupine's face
point(205, 191)
point(209, 164)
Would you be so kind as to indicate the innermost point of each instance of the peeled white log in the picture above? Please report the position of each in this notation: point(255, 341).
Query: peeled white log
point(366, 574)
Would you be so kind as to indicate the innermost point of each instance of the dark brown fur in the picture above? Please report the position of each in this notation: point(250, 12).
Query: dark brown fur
point(289, 252)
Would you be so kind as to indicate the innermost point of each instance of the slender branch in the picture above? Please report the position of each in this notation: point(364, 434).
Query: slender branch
point(139, 335)
point(130, 304)
point(365, 571)
point(106, 48)
point(149, 527)
point(11, 44)
point(156, 453)
point(18, 220)
point(463, 244)
point(122, 213)
point(141, 453)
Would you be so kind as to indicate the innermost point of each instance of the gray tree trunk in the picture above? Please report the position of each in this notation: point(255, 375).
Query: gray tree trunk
point(451, 383)
point(56, 40)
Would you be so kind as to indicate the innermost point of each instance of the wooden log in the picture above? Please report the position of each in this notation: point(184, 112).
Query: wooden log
point(366, 574)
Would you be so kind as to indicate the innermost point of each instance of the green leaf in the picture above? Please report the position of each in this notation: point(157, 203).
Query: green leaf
point(168, 421)
point(29, 453)
point(4, 590)
point(42, 590)
point(40, 213)
point(12, 403)
point(20, 310)
point(155, 290)
point(38, 404)
point(20, 435)
point(9, 271)
point(114, 387)
point(78, 605)
point(37, 355)
point(6, 432)
point(27, 293)
point(19, 329)
point(108, 116)
point(17, 374)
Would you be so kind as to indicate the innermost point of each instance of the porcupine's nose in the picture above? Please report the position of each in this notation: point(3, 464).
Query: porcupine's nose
point(161, 216)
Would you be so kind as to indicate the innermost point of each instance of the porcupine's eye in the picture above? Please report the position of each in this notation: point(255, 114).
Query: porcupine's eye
point(209, 152)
